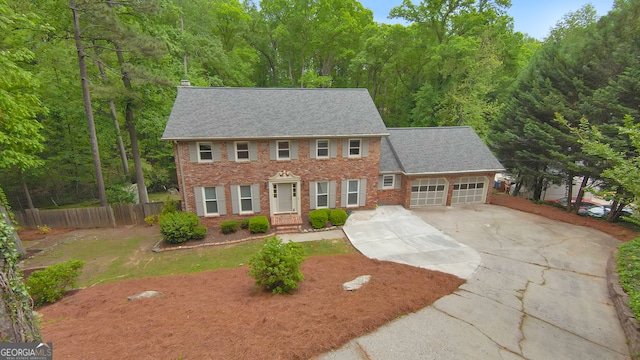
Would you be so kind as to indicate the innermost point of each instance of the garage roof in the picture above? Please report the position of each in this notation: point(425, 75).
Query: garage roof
point(437, 150)
point(248, 113)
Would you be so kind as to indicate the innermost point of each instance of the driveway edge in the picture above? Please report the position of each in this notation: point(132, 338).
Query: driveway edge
point(620, 299)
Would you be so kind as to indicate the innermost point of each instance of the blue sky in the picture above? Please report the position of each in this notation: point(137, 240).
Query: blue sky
point(533, 17)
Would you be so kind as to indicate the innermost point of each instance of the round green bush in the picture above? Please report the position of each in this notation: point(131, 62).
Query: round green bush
point(318, 218)
point(245, 223)
point(178, 227)
point(259, 224)
point(276, 267)
point(48, 285)
point(229, 226)
point(338, 217)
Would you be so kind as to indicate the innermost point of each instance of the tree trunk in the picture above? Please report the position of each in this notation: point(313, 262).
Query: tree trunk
point(27, 194)
point(570, 206)
point(580, 196)
point(4, 215)
point(537, 190)
point(123, 152)
point(87, 105)
point(131, 126)
point(137, 162)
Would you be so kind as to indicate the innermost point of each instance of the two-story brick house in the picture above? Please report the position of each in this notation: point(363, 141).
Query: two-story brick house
point(247, 151)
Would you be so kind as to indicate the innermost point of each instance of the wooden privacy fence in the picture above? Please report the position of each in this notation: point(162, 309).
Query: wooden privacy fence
point(91, 217)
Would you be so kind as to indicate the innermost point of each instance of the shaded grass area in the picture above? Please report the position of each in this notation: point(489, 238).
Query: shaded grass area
point(108, 260)
point(629, 270)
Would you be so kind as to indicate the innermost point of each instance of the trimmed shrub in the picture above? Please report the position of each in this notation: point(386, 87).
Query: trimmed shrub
point(328, 211)
point(259, 224)
point(276, 267)
point(170, 206)
point(48, 285)
point(338, 217)
point(318, 218)
point(245, 223)
point(151, 220)
point(199, 232)
point(229, 226)
point(178, 227)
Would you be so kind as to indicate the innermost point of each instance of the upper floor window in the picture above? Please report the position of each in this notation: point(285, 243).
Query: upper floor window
point(205, 151)
point(322, 149)
point(242, 150)
point(284, 150)
point(355, 147)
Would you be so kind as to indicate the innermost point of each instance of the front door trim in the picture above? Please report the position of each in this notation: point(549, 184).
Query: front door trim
point(284, 177)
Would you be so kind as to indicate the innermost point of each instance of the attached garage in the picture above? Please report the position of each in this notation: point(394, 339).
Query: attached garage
point(469, 190)
point(428, 192)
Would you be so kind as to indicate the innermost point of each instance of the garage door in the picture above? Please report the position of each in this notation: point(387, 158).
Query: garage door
point(467, 190)
point(426, 192)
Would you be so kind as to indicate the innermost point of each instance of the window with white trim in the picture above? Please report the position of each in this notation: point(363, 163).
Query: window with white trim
point(205, 152)
point(283, 150)
point(355, 147)
point(353, 190)
point(388, 181)
point(242, 150)
point(322, 194)
point(322, 149)
point(246, 202)
point(210, 201)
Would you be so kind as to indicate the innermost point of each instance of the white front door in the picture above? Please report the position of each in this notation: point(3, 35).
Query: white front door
point(285, 195)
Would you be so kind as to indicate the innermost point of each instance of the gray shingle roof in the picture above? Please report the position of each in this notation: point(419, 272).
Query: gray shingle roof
point(388, 160)
point(210, 113)
point(439, 150)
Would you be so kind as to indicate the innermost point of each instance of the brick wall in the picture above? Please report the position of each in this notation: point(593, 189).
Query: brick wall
point(226, 173)
point(391, 197)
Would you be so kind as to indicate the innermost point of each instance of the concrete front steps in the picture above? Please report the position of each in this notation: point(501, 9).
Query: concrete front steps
point(286, 223)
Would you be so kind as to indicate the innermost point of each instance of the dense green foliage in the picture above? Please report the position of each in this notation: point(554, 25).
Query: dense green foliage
point(229, 226)
point(15, 298)
point(318, 218)
point(276, 267)
point(178, 227)
point(338, 217)
point(245, 223)
point(451, 65)
point(49, 285)
point(583, 75)
point(259, 224)
point(119, 194)
point(629, 270)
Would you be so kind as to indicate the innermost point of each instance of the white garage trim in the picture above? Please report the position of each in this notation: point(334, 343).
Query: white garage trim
point(469, 190)
point(428, 192)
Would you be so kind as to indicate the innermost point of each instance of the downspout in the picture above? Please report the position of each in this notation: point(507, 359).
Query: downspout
point(182, 185)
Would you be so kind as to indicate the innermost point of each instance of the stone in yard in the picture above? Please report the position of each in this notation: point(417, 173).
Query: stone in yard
point(146, 294)
point(356, 283)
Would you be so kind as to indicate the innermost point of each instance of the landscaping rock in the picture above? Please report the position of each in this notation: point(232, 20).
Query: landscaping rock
point(356, 283)
point(146, 294)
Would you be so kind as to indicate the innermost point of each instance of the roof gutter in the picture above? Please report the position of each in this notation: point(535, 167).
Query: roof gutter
point(275, 137)
point(455, 172)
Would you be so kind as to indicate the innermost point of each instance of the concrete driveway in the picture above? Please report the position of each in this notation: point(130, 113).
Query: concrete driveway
point(539, 293)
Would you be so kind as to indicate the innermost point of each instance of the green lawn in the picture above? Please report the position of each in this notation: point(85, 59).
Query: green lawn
point(629, 270)
point(109, 260)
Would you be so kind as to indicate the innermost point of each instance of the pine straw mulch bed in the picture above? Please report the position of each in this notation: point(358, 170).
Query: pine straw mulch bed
point(550, 212)
point(220, 315)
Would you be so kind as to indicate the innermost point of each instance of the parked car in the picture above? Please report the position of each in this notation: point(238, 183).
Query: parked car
point(584, 205)
point(600, 211)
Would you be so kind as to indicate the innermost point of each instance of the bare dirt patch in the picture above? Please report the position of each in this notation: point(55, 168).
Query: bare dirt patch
point(550, 212)
point(220, 315)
